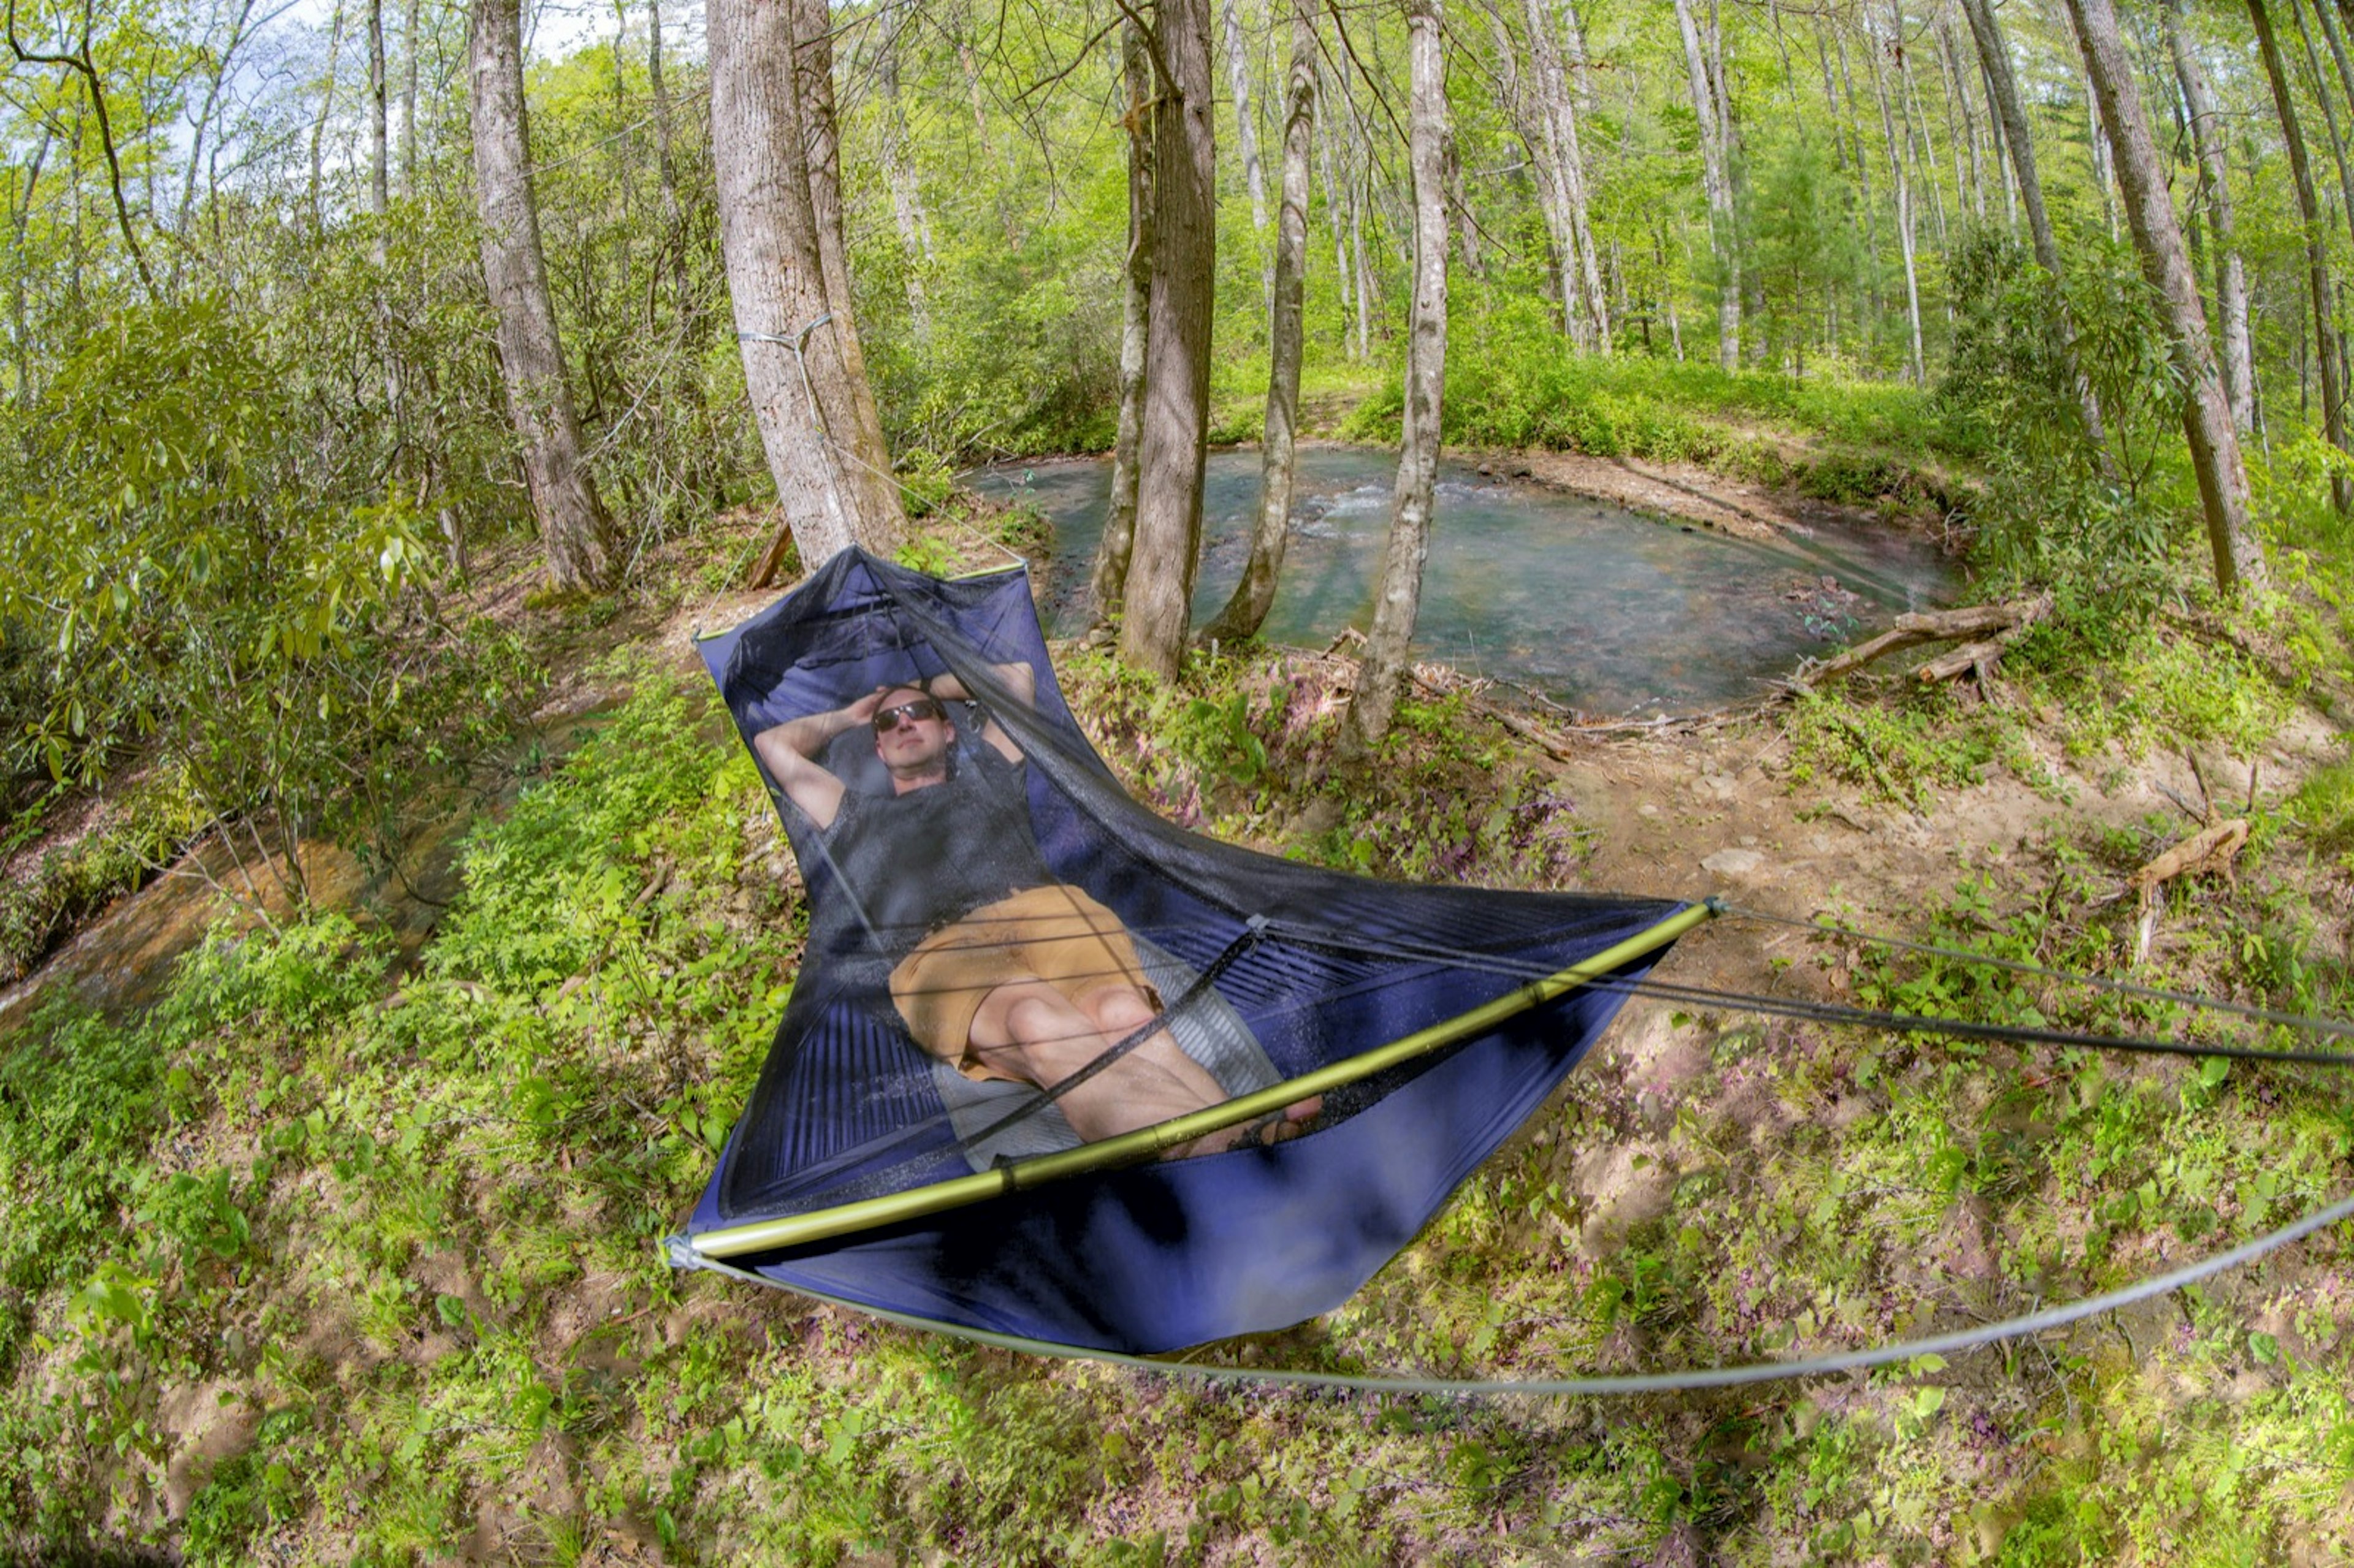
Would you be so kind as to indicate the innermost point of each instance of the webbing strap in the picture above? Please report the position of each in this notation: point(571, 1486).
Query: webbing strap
point(683, 1255)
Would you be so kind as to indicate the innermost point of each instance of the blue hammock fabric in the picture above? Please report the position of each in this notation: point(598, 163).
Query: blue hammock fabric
point(1269, 970)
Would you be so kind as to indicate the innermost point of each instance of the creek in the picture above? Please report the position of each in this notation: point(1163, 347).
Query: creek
point(1600, 609)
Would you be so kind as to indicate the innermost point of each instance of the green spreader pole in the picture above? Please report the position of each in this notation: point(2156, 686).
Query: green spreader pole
point(871, 1213)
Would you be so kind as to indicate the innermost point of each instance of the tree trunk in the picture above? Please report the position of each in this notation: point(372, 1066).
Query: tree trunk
point(1110, 580)
point(2206, 416)
point(574, 529)
point(1995, 55)
point(848, 402)
point(1255, 595)
point(768, 240)
point(2317, 249)
point(1718, 189)
point(1562, 171)
point(1961, 123)
point(1382, 677)
point(1246, 123)
point(327, 109)
point(2231, 272)
point(1904, 197)
point(1172, 445)
point(2328, 118)
point(408, 97)
point(666, 165)
point(379, 173)
point(907, 194)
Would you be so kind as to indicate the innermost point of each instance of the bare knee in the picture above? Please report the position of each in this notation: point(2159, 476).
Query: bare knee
point(1119, 1011)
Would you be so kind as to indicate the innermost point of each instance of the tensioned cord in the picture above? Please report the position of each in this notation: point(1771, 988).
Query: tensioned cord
point(2041, 971)
point(1691, 1380)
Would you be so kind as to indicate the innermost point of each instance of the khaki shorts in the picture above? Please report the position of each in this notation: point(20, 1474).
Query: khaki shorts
point(1054, 934)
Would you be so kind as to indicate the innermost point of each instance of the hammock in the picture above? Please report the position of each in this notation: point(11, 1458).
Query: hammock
point(1404, 1032)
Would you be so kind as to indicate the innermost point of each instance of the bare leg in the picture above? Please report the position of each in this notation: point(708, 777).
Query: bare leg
point(1029, 1031)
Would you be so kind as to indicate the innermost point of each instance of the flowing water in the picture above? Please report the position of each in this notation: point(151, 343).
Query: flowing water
point(1597, 608)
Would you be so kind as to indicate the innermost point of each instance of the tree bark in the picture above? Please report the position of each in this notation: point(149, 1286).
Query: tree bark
point(1717, 187)
point(1995, 55)
point(768, 240)
point(1108, 584)
point(1255, 595)
point(2316, 248)
point(2231, 272)
point(848, 402)
point(2206, 416)
point(1172, 445)
point(1382, 677)
point(574, 529)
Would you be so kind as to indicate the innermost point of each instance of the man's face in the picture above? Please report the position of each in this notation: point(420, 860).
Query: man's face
point(911, 732)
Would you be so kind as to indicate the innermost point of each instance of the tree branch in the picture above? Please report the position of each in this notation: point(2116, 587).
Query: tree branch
point(80, 60)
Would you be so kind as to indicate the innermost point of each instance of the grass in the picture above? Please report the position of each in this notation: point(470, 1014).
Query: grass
point(398, 1224)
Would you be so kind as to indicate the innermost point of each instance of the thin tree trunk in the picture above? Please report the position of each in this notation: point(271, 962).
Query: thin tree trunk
point(1995, 55)
point(327, 109)
point(666, 168)
point(2317, 249)
point(408, 99)
point(2328, 118)
point(1172, 445)
point(1110, 580)
point(907, 194)
point(1563, 160)
point(1255, 595)
point(2206, 417)
point(1919, 141)
point(20, 338)
point(847, 399)
point(767, 239)
point(2096, 139)
point(1245, 123)
point(1382, 677)
point(2231, 272)
point(1961, 125)
point(1717, 188)
point(1336, 202)
point(1904, 200)
point(574, 528)
point(378, 109)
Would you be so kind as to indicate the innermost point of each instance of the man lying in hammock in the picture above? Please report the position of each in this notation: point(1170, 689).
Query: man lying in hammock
point(1001, 971)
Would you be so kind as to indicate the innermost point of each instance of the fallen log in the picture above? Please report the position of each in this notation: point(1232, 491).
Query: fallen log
point(1990, 627)
point(2209, 850)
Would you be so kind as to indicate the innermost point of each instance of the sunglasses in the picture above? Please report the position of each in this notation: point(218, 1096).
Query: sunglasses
point(890, 719)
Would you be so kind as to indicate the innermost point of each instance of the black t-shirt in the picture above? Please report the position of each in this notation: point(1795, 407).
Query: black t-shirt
point(917, 861)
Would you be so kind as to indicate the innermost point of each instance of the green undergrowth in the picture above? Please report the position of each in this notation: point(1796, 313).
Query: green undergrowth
point(2096, 693)
point(338, 1257)
point(1858, 442)
point(1242, 749)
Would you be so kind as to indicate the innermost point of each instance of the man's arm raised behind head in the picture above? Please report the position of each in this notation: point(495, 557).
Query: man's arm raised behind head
point(789, 751)
point(1018, 678)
